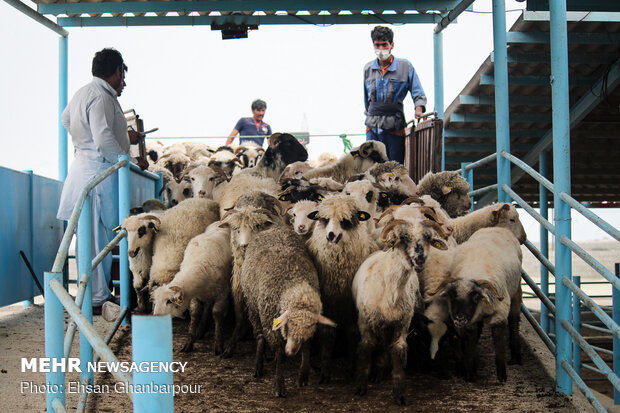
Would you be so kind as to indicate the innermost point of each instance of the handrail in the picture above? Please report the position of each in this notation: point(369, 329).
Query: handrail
point(68, 342)
point(529, 170)
point(545, 338)
point(583, 387)
point(147, 174)
point(592, 262)
point(591, 216)
point(479, 162)
point(106, 250)
point(329, 135)
point(543, 260)
point(546, 301)
point(61, 256)
point(529, 209)
point(483, 190)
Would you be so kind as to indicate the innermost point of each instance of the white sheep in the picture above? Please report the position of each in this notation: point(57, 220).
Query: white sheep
point(204, 275)
point(497, 215)
point(175, 160)
point(203, 179)
point(485, 287)
point(225, 160)
point(366, 195)
point(249, 154)
point(299, 219)
point(325, 158)
point(392, 176)
point(154, 149)
point(294, 171)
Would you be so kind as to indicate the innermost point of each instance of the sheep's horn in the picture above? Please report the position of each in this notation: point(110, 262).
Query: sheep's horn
point(239, 149)
point(389, 227)
point(228, 213)
point(411, 200)
point(267, 212)
point(218, 170)
point(388, 210)
point(442, 286)
point(187, 170)
point(436, 227)
point(486, 284)
point(149, 217)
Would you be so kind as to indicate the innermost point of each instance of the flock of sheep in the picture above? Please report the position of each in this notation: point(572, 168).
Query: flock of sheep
point(352, 250)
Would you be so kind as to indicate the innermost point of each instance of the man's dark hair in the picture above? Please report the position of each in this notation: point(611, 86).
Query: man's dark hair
point(259, 104)
point(106, 62)
point(383, 34)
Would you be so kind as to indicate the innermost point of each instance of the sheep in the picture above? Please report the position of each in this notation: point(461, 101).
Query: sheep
point(175, 161)
point(154, 149)
point(150, 205)
point(294, 170)
point(339, 244)
point(497, 215)
point(325, 158)
point(285, 150)
point(204, 276)
point(295, 190)
point(197, 150)
point(485, 288)
point(449, 188)
point(299, 217)
point(249, 154)
point(281, 290)
point(203, 179)
point(178, 225)
point(225, 160)
point(385, 289)
point(141, 230)
point(174, 189)
point(327, 183)
point(392, 176)
point(366, 195)
point(358, 161)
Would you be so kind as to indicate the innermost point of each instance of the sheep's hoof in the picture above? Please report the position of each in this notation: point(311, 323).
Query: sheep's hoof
point(516, 360)
point(302, 380)
point(280, 390)
point(189, 346)
point(470, 376)
point(258, 373)
point(218, 349)
point(227, 353)
point(400, 400)
point(361, 389)
point(324, 378)
point(501, 375)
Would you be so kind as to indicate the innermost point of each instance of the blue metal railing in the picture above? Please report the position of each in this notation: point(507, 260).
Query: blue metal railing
point(57, 344)
point(570, 326)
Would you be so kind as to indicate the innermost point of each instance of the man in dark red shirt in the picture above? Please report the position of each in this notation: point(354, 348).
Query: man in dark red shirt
point(253, 126)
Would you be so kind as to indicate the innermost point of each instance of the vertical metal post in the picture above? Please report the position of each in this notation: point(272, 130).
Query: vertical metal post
point(159, 184)
point(54, 336)
point(615, 294)
point(469, 177)
point(84, 261)
point(561, 178)
point(438, 78)
point(544, 242)
point(123, 211)
point(30, 301)
point(63, 65)
point(152, 341)
point(502, 125)
point(577, 326)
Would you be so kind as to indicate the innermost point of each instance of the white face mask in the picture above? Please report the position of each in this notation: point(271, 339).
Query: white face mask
point(383, 54)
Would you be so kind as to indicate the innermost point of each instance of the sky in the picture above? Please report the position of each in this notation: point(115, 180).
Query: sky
point(189, 82)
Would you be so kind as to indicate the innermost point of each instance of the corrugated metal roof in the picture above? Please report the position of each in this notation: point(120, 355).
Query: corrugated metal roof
point(594, 52)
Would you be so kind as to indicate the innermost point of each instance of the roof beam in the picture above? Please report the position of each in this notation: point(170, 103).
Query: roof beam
point(573, 38)
point(573, 58)
point(37, 17)
point(576, 5)
point(240, 6)
point(490, 117)
point(242, 19)
point(490, 133)
point(579, 111)
point(575, 16)
point(489, 148)
point(452, 15)
point(488, 80)
point(515, 100)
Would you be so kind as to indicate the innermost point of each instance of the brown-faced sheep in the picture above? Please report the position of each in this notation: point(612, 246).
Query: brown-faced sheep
point(450, 189)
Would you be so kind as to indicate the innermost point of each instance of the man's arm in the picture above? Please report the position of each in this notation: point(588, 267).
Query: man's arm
point(366, 102)
point(231, 137)
point(65, 118)
point(101, 119)
point(417, 93)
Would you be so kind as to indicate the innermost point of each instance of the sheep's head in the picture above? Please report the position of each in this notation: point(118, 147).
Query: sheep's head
point(365, 192)
point(368, 154)
point(295, 190)
point(176, 191)
point(393, 175)
point(225, 160)
point(339, 219)
point(299, 216)
point(169, 300)
point(141, 230)
point(249, 155)
point(246, 222)
point(295, 170)
point(284, 149)
point(506, 216)
point(450, 189)
point(465, 297)
point(175, 162)
point(413, 239)
point(204, 179)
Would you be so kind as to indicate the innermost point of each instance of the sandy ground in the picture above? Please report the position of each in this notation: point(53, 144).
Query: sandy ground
point(228, 385)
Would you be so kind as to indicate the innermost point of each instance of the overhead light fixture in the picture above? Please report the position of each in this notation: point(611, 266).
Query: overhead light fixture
point(234, 31)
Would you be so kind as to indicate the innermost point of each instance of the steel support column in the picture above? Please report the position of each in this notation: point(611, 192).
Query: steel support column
point(502, 126)
point(438, 78)
point(30, 301)
point(561, 181)
point(54, 335)
point(615, 294)
point(577, 326)
point(63, 64)
point(544, 242)
point(123, 246)
point(84, 261)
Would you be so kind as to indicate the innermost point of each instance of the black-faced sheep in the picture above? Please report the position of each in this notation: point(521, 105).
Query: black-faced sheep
point(497, 215)
point(204, 276)
point(450, 189)
point(249, 154)
point(175, 161)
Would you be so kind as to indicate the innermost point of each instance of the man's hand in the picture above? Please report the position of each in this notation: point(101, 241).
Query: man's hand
point(134, 137)
point(229, 141)
point(418, 112)
point(142, 163)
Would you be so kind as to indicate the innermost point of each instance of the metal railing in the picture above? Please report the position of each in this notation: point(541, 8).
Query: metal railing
point(57, 299)
point(569, 357)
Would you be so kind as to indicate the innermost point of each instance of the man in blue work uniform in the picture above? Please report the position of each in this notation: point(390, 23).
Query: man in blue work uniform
point(387, 79)
point(251, 126)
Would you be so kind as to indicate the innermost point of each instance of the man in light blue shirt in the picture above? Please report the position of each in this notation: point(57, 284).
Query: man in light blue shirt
point(387, 80)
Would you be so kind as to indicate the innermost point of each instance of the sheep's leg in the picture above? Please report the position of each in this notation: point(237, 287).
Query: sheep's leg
point(260, 356)
point(279, 391)
point(328, 336)
point(470, 340)
point(499, 342)
point(399, 360)
point(195, 313)
point(219, 313)
point(353, 338)
point(237, 294)
point(513, 332)
point(202, 327)
point(364, 360)
point(381, 366)
point(304, 368)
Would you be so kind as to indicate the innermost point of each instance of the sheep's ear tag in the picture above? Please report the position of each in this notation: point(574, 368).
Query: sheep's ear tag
point(165, 164)
point(314, 215)
point(355, 154)
point(117, 229)
point(363, 216)
point(276, 323)
point(135, 210)
point(284, 197)
point(484, 299)
point(390, 174)
point(319, 197)
point(153, 227)
point(178, 300)
point(446, 190)
point(384, 194)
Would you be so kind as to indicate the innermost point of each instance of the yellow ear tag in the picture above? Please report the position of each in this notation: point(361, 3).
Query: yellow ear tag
point(319, 197)
point(165, 164)
point(355, 155)
point(449, 187)
point(362, 216)
point(383, 195)
point(390, 174)
point(155, 229)
point(178, 300)
point(437, 244)
point(484, 299)
point(117, 229)
point(276, 322)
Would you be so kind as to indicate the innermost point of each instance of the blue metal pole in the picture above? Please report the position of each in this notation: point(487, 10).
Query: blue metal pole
point(561, 181)
point(152, 341)
point(54, 336)
point(616, 342)
point(544, 242)
point(577, 326)
point(30, 301)
point(84, 261)
point(63, 64)
point(469, 177)
point(438, 77)
point(123, 211)
point(502, 126)
point(159, 184)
